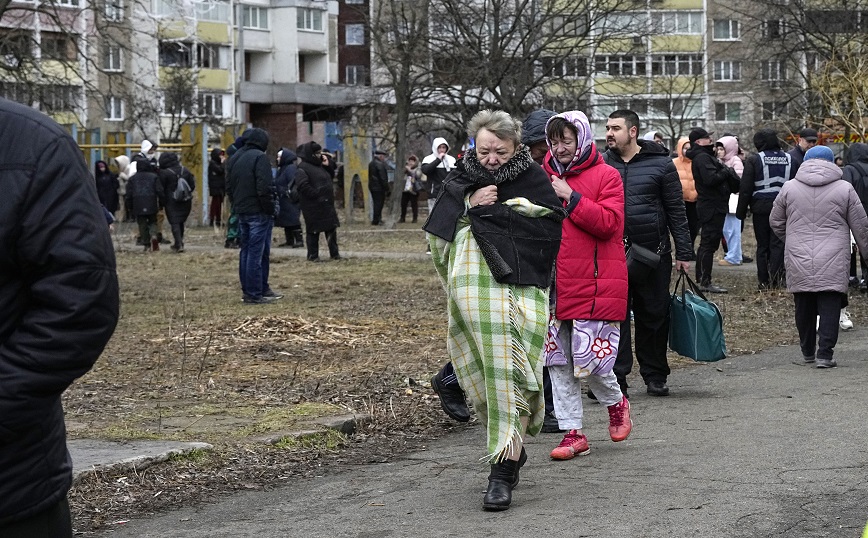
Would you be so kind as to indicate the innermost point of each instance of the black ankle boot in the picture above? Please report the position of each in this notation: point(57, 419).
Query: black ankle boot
point(499, 494)
point(522, 459)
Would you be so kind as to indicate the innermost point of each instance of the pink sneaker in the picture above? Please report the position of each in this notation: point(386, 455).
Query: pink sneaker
point(573, 445)
point(620, 424)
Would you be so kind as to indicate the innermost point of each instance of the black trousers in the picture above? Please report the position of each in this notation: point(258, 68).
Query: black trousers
point(411, 198)
point(378, 198)
point(769, 253)
point(710, 233)
point(826, 304)
point(54, 522)
point(692, 221)
point(313, 244)
point(649, 301)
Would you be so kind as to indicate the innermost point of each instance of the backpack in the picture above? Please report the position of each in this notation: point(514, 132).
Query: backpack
point(183, 192)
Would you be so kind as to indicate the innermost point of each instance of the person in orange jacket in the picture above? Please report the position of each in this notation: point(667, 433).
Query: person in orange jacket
point(688, 188)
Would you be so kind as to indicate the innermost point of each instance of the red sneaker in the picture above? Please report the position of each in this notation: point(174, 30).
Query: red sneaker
point(620, 424)
point(574, 444)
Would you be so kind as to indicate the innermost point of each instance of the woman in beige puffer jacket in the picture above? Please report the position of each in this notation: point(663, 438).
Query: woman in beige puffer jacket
point(814, 215)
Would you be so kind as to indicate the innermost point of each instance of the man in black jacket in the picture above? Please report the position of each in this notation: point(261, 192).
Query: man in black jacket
point(249, 185)
point(378, 184)
point(146, 198)
point(714, 183)
point(59, 298)
point(653, 209)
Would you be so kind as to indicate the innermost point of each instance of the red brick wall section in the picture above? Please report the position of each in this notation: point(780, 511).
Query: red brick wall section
point(279, 121)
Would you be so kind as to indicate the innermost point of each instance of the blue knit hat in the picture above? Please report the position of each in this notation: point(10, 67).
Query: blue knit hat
point(820, 152)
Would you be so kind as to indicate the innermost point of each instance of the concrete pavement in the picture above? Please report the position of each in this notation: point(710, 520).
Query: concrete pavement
point(750, 446)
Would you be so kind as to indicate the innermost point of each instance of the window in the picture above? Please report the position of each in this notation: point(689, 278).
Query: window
point(561, 102)
point(114, 108)
point(676, 64)
point(15, 91)
point(309, 19)
point(255, 18)
point(57, 46)
point(620, 65)
point(773, 29)
point(55, 99)
point(114, 10)
point(211, 104)
point(354, 34)
point(626, 22)
point(727, 70)
point(112, 58)
point(571, 67)
point(14, 47)
point(356, 75)
point(573, 25)
point(773, 70)
point(726, 30)
point(67, 3)
point(727, 111)
point(175, 54)
point(774, 110)
point(677, 22)
point(212, 10)
point(354, 1)
point(831, 21)
point(212, 56)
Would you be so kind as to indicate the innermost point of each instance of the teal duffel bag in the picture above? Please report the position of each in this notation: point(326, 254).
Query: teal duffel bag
point(696, 327)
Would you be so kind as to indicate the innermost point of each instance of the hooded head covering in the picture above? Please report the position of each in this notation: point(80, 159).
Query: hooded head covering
point(584, 139)
point(857, 152)
point(215, 154)
point(147, 146)
point(820, 152)
point(650, 136)
point(256, 137)
point(169, 160)
point(97, 171)
point(287, 157)
point(307, 153)
point(766, 140)
point(533, 128)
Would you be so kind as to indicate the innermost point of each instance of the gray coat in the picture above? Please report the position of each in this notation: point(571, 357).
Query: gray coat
point(814, 213)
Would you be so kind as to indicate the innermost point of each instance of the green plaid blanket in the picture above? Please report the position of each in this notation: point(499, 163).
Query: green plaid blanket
point(495, 338)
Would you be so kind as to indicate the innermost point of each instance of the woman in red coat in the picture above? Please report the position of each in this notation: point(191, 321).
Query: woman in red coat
point(590, 282)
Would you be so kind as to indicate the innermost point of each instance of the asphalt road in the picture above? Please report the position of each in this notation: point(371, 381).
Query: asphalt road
point(751, 446)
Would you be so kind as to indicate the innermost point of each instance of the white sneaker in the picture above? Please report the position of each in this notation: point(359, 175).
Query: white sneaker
point(844, 320)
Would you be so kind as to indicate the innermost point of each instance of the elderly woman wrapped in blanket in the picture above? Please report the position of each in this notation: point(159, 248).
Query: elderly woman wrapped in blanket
point(494, 232)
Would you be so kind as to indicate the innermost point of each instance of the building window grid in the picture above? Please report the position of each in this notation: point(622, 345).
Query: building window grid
point(113, 59)
point(210, 104)
point(678, 22)
point(774, 29)
point(774, 110)
point(309, 19)
point(676, 64)
point(727, 70)
point(620, 65)
point(773, 70)
point(726, 30)
point(114, 108)
point(355, 75)
point(354, 34)
point(114, 10)
point(255, 17)
point(727, 112)
point(58, 98)
point(67, 3)
point(571, 67)
point(212, 10)
point(56, 46)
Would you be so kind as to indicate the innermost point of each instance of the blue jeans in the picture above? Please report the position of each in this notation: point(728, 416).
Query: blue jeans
point(255, 233)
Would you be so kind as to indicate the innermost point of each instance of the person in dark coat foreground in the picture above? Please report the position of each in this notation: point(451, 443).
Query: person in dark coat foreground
point(59, 298)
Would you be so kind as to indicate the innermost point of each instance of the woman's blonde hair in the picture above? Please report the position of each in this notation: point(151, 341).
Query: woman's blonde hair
point(498, 122)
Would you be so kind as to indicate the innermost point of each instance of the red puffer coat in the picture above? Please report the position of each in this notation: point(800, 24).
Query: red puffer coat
point(591, 276)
